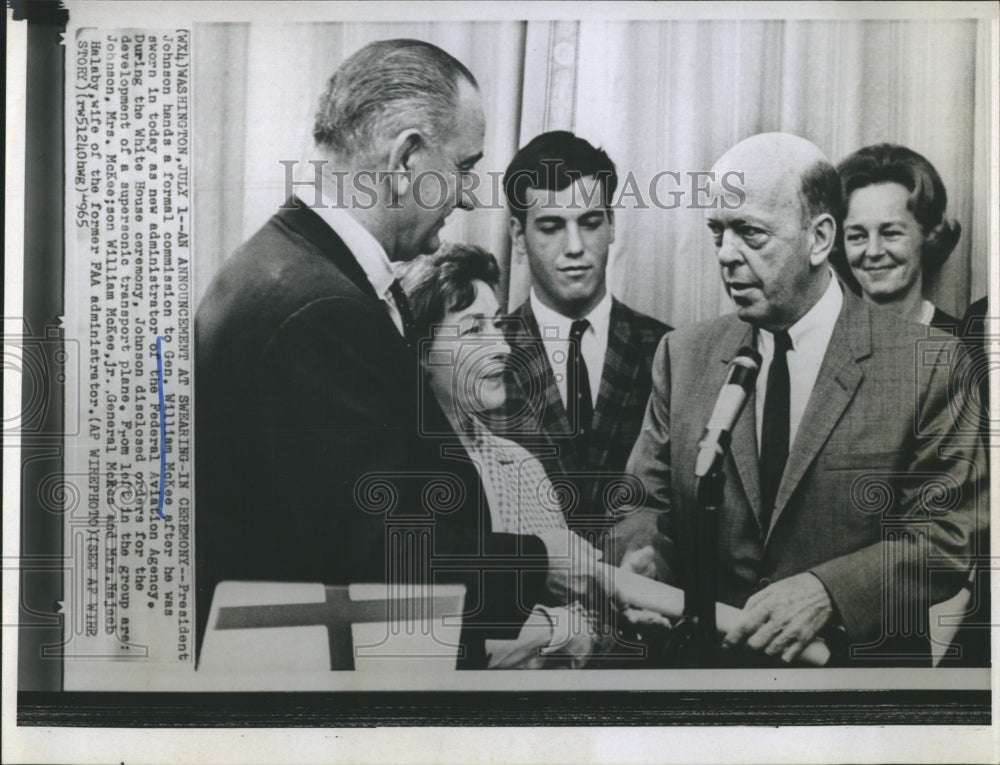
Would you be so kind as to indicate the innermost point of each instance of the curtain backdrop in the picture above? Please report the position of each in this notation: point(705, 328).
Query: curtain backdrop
point(657, 95)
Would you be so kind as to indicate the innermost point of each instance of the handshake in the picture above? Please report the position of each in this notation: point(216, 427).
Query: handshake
point(781, 620)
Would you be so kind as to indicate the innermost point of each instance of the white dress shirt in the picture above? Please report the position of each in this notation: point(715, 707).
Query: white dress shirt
point(554, 328)
point(365, 248)
point(810, 336)
point(926, 312)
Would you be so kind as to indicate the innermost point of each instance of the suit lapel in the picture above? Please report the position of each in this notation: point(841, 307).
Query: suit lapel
point(538, 380)
point(306, 223)
point(837, 382)
point(618, 375)
point(743, 448)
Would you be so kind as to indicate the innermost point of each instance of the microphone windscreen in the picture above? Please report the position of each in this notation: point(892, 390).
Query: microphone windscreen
point(735, 390)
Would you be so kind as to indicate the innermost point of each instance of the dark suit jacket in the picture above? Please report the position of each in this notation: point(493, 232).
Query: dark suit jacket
point(309, 407)
point(884, 483)
point(945, 322)
point(536, 417)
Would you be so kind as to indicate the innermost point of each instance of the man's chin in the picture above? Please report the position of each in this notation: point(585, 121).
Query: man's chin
point(752, 313)
point(430, 245)
point(579, 297)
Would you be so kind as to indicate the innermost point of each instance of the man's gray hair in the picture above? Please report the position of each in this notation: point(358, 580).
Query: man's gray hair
point(820, 192)
point(384, 88)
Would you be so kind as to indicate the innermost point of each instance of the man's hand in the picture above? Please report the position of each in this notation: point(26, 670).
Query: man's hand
point(644, 562)
point(641, 561)
point(573, 566)
point(783, 618)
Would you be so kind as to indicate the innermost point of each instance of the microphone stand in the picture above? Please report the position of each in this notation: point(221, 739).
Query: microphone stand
point(696, 643)
point(700, 599)
point(695, 640)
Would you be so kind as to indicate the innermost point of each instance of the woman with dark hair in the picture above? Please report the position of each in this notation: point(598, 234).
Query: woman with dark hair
point(463, 353)
point(896, 236)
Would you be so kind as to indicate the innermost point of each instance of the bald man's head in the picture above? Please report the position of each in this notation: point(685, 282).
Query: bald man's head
point(783, 157)
point(773, 246)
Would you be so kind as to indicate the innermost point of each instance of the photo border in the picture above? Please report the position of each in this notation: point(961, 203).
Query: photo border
point(967, 707)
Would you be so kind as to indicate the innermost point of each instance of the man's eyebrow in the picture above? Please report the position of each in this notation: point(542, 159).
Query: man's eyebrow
point(470, 161)
point(738, 222)
point(733, 223)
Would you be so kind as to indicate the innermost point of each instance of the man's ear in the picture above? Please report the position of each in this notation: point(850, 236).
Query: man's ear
point(516, 229)
point(400, 162)
point(611, 224)
point(824, 235)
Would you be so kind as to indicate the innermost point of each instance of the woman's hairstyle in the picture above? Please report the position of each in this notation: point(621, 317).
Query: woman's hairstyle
point(890, 163)
point(445, 281)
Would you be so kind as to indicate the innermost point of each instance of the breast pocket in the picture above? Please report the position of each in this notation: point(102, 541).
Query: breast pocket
point(848, 459)
point(867, 484)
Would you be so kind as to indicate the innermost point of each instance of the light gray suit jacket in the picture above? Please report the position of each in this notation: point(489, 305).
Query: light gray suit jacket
point(883, 486)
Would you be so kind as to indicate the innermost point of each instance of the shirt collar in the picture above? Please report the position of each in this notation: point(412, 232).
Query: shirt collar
point(473, 435)
point(816, 323)
point(478, 438)
point(365, 248)
point(599, 316)
point(927, 312)
point(480, 441)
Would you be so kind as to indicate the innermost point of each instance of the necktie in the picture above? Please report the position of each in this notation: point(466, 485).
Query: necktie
point(774, 430)
point(403, 304)
point(579, 404)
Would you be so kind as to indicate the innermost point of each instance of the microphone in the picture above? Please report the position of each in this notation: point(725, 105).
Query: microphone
point(742, 377)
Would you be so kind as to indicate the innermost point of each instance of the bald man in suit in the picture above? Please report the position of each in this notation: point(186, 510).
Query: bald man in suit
point(855, 479)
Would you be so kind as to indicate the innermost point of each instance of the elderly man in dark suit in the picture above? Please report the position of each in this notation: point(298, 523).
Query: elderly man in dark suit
point(315, 436)
point(578, 373)
point(855, 479)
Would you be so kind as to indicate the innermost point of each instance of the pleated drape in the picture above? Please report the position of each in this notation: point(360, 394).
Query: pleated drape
point(657, 95)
